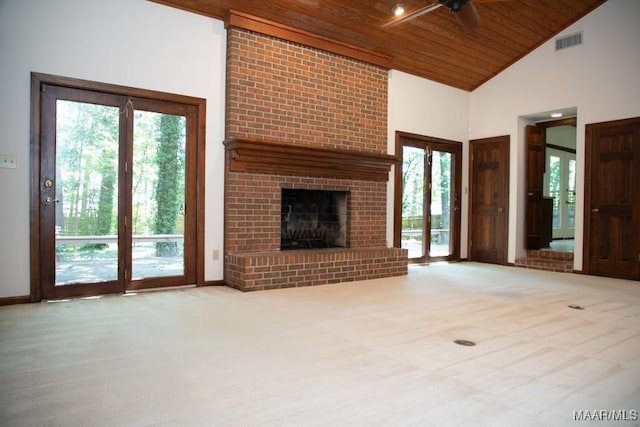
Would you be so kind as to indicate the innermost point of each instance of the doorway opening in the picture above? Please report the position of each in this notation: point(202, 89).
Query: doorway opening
point(551, 183)
point(549, 219)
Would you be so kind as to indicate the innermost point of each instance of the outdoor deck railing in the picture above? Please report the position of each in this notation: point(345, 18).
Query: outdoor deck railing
point(78, 240)
point(438, 235)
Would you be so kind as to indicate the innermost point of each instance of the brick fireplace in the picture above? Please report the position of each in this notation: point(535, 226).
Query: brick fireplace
point(301, 118)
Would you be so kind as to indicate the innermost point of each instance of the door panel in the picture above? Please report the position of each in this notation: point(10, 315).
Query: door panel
point(86, 192)
point(535, 176)
point(158, 245)
point(413, 202)
point(613, 212)
point(561, 187)
point(163, 193)
point(570, 202)
point(80, 130)
point(489, 200)
point(441, 203)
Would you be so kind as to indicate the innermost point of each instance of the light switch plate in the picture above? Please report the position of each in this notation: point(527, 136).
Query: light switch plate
point(8, 161)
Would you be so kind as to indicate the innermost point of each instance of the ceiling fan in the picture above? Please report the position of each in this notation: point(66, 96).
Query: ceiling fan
point(464, 11)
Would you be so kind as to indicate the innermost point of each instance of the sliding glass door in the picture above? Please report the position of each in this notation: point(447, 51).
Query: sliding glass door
point(117, 190)
point(428, 186)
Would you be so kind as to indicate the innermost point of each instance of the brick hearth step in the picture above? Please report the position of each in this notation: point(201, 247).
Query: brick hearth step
point(548, 260)
point(253, 271)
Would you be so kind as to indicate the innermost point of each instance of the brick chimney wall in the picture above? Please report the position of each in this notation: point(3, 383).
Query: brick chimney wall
point(285, 92)
point(288, 93)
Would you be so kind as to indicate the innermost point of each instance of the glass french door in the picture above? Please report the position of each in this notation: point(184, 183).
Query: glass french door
point(561, 186)
point(430, 197)
point(116, 209)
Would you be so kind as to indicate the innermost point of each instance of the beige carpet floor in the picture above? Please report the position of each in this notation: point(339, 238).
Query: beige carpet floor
point(374, 353)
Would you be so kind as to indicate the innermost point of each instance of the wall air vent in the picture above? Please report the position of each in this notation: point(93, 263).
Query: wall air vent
point(568, 41)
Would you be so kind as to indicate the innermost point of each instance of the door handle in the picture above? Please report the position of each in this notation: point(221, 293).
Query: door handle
point(500, 210)
point(530, 194)
point(595, 210)
point(48, 200)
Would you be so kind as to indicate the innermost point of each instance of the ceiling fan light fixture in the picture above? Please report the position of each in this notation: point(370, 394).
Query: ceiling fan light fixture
point(398, 9)
point(453, 5)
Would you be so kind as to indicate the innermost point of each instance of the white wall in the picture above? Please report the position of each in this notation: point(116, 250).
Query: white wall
point(600, 78)
point(126, 42)
point(424, 107)
point(141, 44)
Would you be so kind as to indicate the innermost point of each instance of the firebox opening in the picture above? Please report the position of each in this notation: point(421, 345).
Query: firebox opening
point(313, 219)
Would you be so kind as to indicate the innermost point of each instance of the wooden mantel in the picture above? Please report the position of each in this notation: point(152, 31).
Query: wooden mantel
point(251, 155)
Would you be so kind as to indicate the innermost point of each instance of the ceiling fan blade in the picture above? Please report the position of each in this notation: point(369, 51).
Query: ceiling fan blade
point(413, 14)
point(468, 16)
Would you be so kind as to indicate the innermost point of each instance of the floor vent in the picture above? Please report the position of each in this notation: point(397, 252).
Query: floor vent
point(465, 343)
point(569, 41)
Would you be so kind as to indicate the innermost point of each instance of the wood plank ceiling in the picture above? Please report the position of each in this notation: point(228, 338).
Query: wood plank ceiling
point(434, 45)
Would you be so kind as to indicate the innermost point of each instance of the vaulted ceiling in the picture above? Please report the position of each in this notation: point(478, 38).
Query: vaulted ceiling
point(434, 45)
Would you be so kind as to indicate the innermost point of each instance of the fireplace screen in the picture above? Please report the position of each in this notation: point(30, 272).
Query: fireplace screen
point(313, 219)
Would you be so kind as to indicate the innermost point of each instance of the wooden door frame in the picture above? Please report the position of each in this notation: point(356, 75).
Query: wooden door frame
point(37, 82)
point(588, 165)
point(506, 139)
point(456, 230)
